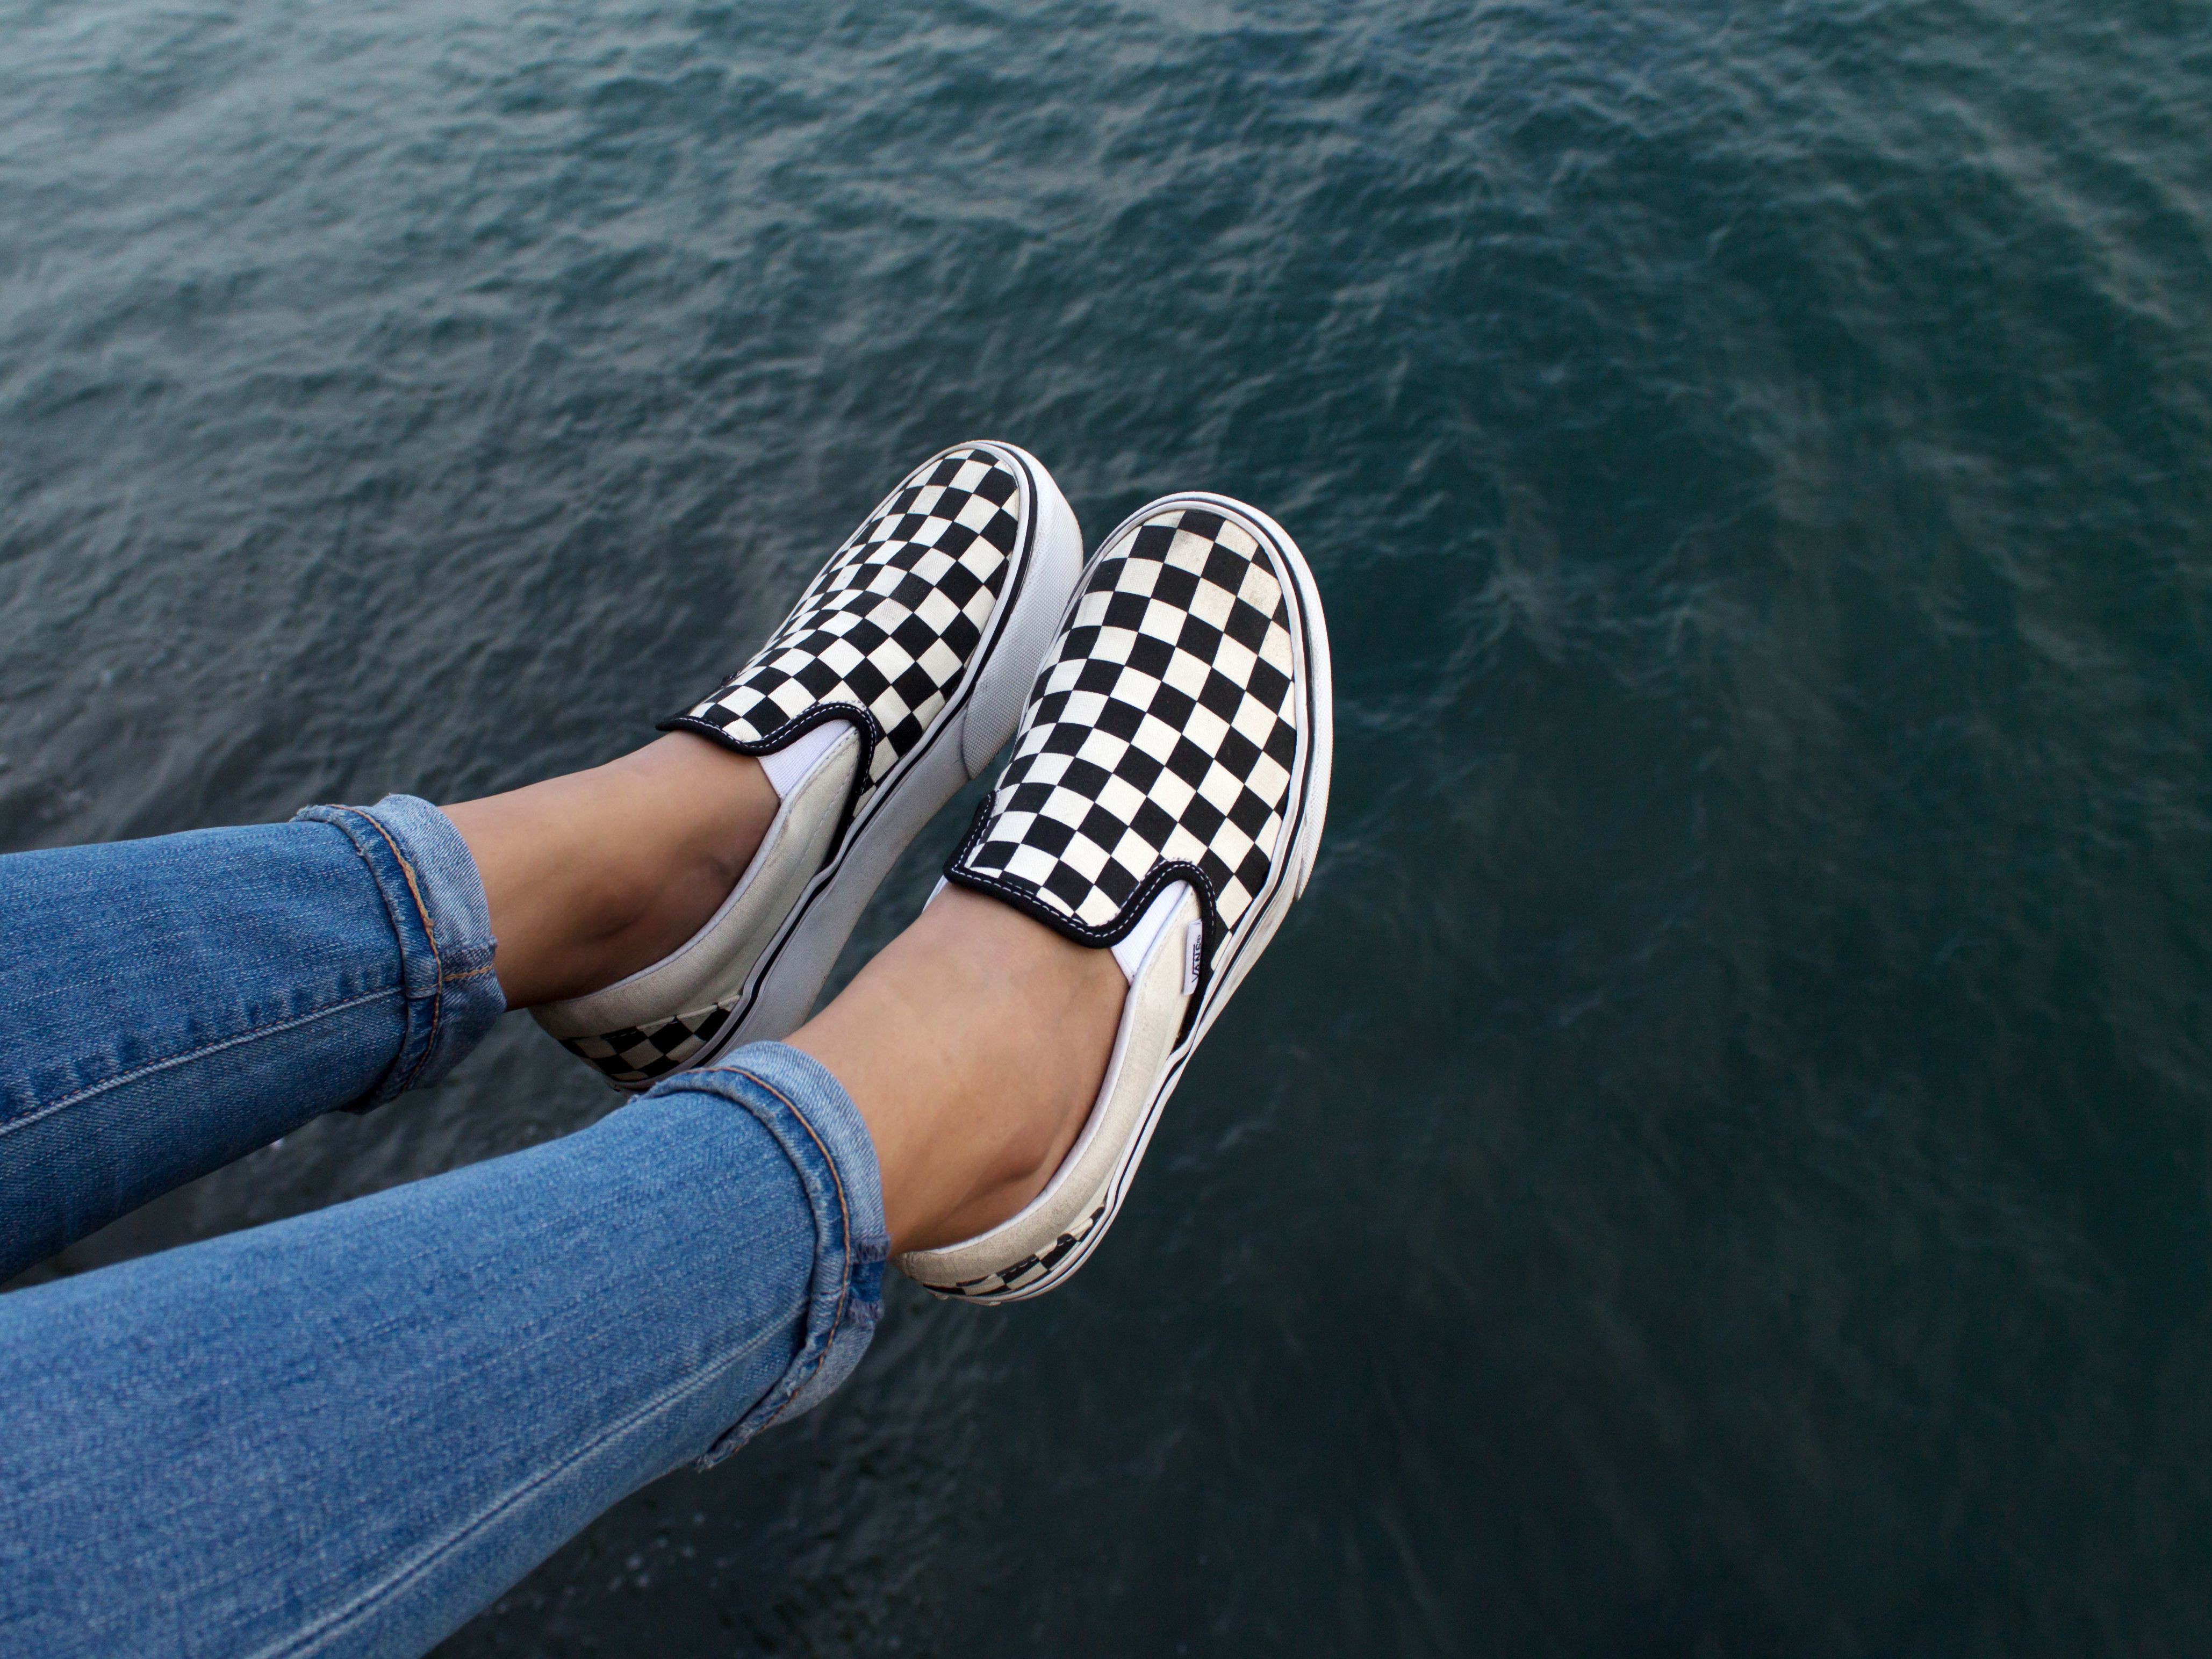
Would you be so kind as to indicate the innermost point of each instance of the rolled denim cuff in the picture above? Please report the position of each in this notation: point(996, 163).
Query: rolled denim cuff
point(435, 900)
point(821, 1131)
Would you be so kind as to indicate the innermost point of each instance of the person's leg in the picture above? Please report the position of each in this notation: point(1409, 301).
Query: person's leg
point(367, 1422)
point(348, 1432)
point(173, 1004)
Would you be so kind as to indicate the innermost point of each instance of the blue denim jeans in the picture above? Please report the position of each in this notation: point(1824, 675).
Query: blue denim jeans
point(348, 1432)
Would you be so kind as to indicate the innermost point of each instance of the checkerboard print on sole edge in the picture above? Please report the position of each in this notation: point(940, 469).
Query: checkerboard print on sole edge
point(1164, 799)
point(895, 680)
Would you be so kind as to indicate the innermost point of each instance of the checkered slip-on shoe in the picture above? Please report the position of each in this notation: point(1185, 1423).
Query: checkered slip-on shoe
point(1164, 799)
point(896, 679)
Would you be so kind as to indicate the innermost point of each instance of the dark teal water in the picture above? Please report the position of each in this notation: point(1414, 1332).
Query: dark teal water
point(1722, 1161)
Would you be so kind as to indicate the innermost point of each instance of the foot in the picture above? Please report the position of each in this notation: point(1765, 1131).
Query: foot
point(892, 683)
point(972, 1045)
point(1161, 813)
point(591, 876)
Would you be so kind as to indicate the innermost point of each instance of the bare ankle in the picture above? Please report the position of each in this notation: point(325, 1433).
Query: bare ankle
point(974, 1046)
point(596, 874)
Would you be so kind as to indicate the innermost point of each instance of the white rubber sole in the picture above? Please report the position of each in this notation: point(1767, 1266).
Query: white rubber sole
point(958, 747)
point(1305, 811)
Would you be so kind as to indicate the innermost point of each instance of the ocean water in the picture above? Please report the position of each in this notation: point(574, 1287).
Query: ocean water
point(1721, 1163)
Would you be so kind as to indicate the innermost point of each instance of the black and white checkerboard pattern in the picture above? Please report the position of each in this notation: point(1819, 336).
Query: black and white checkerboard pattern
point(635, 1058)
point(892, 620)
point(1161, 729)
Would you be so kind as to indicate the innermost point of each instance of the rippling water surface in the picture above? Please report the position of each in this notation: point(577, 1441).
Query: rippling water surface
point(1721, 1163)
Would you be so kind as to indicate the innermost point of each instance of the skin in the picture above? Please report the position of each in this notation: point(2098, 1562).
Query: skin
point(598, 873)
point(974, 1044)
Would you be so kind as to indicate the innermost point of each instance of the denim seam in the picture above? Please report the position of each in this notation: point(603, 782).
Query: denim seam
point(367, 1600)
point(437, 959)
point(845, 1280)
point(200, 1053)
